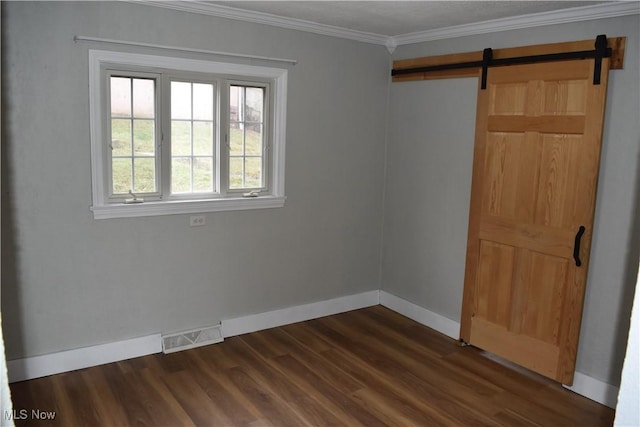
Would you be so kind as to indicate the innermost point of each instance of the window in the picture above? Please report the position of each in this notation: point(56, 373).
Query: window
point(192, 140)
point(132, 135)
point(174, 135)
point(246, 124)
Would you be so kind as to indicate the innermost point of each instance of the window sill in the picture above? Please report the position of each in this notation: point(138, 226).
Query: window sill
point(121, 210)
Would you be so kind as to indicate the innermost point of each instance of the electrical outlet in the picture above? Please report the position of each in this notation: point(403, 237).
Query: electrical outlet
point(197, 220)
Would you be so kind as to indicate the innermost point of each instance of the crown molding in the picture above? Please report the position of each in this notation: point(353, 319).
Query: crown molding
point(562, 16)
point(267, 19)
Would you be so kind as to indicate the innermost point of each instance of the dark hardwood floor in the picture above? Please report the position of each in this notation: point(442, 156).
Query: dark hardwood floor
point(367, 367)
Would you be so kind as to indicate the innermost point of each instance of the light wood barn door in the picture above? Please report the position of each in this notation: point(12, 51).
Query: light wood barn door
point(535, 171)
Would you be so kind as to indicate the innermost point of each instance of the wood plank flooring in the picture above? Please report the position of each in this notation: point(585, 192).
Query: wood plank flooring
point(368, 367)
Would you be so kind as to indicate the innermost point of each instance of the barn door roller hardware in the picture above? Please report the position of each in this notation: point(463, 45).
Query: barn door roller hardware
point(600, 51)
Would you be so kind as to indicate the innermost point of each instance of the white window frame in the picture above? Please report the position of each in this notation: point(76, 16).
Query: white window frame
point(274, 197)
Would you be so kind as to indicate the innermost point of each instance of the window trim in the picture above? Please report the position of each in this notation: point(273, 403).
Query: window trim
point(102, 208)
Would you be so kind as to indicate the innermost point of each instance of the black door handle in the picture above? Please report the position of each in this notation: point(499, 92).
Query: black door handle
point(576, 246)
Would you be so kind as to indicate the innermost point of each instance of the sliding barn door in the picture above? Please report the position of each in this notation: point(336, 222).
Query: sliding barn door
point(535, 170)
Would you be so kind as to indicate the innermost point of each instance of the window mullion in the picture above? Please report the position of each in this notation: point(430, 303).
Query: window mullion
point(131, 139)
point(224, 137)
point(191, 152)
point(159, 132)
point(165, 125)
point(243, 102)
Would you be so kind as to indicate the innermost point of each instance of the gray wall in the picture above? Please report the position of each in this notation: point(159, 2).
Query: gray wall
point(430, 150)
point(70, 281)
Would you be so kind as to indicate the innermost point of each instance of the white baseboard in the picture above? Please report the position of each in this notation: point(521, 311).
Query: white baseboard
point(70, 360)
point(300, 313)
point(421, 315)
point(594, 389)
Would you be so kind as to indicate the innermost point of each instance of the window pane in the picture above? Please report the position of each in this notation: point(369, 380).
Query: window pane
point(253, 172)
point(180, 100)
point(121, 137)
point(235, 103)
point(202, 101)
point(181, 175)
point(202, 174)
point(143, 98)
point(236, 139)
point(144, 175)
point(203, 138)
point(121, 171)
point(180, 138)
point(236, 165)
point(143, 137)
point(253, 139)
point(254, 104)
point(120, 97)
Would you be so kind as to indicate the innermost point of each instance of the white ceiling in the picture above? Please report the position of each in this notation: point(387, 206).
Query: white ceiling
point(395, 23)
point(394, 18)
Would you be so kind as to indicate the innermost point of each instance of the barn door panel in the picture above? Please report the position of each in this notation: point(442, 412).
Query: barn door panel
point(536, 160)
